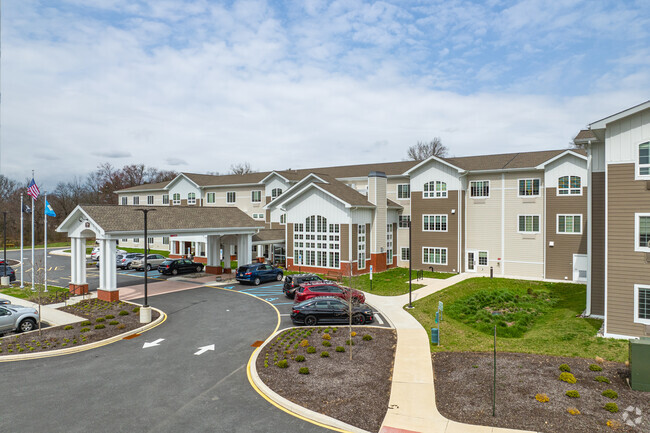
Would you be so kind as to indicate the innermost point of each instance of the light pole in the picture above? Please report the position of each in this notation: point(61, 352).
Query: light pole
point(410, 266)
point(5, 277)
point(145, 310)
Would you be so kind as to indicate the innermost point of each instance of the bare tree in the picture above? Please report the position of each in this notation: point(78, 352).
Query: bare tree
point(423, 150)
point(241, 168)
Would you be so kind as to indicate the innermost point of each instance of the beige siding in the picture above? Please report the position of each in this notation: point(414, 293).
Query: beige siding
point(242, 198)
point(484, 221)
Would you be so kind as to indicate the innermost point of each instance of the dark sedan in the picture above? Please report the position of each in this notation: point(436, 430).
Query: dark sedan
point(10, 272)
point(179, 266)
point(291, 283)
point(329, 310)
point(257, 273)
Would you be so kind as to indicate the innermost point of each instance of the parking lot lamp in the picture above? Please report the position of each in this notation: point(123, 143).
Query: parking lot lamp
point(5, 277)
point(145, 310)
point(410, 266)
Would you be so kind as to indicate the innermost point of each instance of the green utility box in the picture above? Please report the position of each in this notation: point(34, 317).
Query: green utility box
point(640, 364)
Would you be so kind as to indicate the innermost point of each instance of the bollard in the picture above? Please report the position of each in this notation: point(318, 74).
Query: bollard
point(491, 272)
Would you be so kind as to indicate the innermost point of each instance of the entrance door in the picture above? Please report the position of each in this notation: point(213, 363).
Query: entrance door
point(471, 261)
point(579, 267)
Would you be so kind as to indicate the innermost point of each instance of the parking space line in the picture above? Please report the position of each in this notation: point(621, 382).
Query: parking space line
point(378, 317)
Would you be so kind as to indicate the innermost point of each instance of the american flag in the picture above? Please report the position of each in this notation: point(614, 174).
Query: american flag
point(33, 190)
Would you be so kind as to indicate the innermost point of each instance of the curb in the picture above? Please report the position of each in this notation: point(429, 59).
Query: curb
point(71, 350)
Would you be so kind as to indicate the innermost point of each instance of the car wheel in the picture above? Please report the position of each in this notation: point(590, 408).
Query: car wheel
point(358, 319)
point(288, 295)
point(174, 271)
point(148, 267)
point(27, 325)
point(311, 320)
point(257, 281)
point(128, 266)
point(279, 277)
point(199, 268)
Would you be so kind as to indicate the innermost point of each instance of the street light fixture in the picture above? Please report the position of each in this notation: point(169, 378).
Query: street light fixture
point(145, 311)
point(410, 266)
point(5, 277)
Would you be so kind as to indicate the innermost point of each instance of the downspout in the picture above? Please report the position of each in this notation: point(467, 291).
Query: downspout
point(462, 232)
point(461, 224)
point(589, 225)
point(503, 224)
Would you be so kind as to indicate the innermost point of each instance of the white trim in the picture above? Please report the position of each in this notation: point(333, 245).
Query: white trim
point(478, 197)
point(435, 215)
point(171, 182)
point(429, 159)
point(530, 232)
point(522, 262)
point(557, 188)
point(503, 222)
point(193, 194)
point(618, 336)
point(401, 254)
point(487, 258)
point(637, 163)
point(214, 198)
point(557, 224)
point(578, 280)
point(637, 218)
point(234, 196)
point(561, 155)
point(435, 190)
point(397, 191)
point(606, 245)
point(253, 191)
point(602, 123)
point(474, 260)
point(274, 173)
point(539, 187)
point(590, 192)
point(436, 248)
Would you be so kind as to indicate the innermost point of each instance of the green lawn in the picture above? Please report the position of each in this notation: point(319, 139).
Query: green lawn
point(554, 331)
point(28, 294)
point(28, 245)
point(141, 251)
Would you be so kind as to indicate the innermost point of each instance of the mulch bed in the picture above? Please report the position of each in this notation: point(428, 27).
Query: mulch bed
point(463, 383)
point(57, 337)
point(356, 392)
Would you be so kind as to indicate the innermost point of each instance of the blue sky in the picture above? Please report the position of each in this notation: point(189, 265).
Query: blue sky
point(199, 85)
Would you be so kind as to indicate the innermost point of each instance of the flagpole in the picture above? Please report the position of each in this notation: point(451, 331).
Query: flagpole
point(22, 258)
point(33, 212)
point(45, 242)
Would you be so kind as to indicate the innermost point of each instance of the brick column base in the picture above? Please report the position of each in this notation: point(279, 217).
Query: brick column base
point(215, 270)
point(227, 271)
point(78, 289)
point(110, 296)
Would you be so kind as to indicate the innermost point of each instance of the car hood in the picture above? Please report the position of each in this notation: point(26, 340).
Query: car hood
point(20, 308)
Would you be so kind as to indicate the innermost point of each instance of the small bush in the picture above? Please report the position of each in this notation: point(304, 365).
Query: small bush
point(542, 398)
point(568, 377)
point(135, 310)
point(601, 379)
point(326, 343)
point(122, 326)
point(304, 343)
point(573, 411)
point(565, 367)
point(324, 354)
point(109, 316)
point(611, 407)
point(303, 370)
point(283, 363)
point(84, 330)
point(610, 393)
point(113, 322)
point(367, 337)
point(340, 349)
point(595, 367)
point(266, 364)
point(124, 313)
point(349, 342)
point(327, 337)
point(86, 323)
point(99, 319)
point(300, 358)
point(311, 349)
point(572, 393)
point(100, 326)
point(68, 327)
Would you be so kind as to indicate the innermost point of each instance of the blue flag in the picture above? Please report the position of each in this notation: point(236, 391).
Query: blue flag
point(48, 209)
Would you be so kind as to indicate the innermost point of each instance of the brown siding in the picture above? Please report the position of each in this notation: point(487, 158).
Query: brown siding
point(625, 267)
point(448, 239)
point(559, 257)
point(598, 244)
point(183, 202)
point(355, 242)
point(267, 200)
point(345, 243)
point(289, 245)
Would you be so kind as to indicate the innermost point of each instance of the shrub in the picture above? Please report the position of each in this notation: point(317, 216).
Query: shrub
point(84, 330)
point(611, 407)
point(109, 316)
point(266, 364)
point(542, 398)
point(572, 393)
point(595, 367)
point(349, 342)
point(99, 319)
point(335, 329)
point(568, 377)
point(311, 349)
point(340, 349)
point(100, 326)
point(327, 337)
point(304, 343)
point(326, 343)
point(124, 313)
point(610, 393)
point(85, 323)
point(565, 367)
point(283, 363)
point(135, 310)
point(300, 358)
point(367, 337)
point(354, 334)
point(601, 379)
point(113, 322)
point(122, 326)
point(573, 411)
point(303, 370)
point(68, 327)
point(324, 354)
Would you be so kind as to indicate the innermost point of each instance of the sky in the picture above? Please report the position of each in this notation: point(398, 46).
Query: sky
point(200, 85)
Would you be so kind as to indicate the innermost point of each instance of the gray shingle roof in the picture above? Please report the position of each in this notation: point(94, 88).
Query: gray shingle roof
point(269, 235)
point(507, 160)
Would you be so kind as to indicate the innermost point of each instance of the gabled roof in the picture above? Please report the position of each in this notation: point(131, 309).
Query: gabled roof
point(602, 123)
point(507, 161)
point(160, 186)
point(562, 155)
point(429, 159)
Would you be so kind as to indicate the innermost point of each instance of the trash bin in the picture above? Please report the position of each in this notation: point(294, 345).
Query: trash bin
point(639, 365)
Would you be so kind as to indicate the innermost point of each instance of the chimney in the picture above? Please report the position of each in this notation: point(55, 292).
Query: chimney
point(377, 196)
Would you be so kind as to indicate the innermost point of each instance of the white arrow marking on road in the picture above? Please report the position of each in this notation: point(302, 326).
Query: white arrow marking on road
point(204, 349)
point(154, 343)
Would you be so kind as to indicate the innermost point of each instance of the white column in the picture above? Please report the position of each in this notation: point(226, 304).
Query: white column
point(81, 263)
point(107, 271)
point(226, 256)
point(244, 248)
point(212, 251)
point(103, 263)
point(260, 250)
point(74, 261)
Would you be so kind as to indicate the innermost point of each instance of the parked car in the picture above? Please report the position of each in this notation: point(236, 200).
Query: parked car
point(329, 310)
point(10, 272)
point(94, 255)
point(291, 283)
point(125, 261)
point(153, 261)
point(4, 301)
point(179, 266)
point(257, 273)
point(17, 318)
point(118, 260)
point(327, 288)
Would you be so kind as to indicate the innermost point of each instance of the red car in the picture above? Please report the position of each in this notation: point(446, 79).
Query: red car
point(327, 288)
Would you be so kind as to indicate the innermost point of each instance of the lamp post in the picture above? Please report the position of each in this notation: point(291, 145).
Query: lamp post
point(410, 266)
point(5, 277)
point(145, 310)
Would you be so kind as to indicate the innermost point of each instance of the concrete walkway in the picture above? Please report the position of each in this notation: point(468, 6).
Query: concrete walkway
point(412, 406)
point(50, 313)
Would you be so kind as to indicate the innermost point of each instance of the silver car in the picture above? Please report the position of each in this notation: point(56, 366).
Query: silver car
point(17, 318)
point(153, 261)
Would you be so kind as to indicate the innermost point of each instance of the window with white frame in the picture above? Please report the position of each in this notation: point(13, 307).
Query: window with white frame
point(482, 258)
point(569, 224)
point(528, 224)
point(644, 159)
point(361, 246)
point(406, 254)
point(176, 199)
point(276, 192)
point(191, 198)
point(150, 240)
point(569, 185)
point(389, 244)
point(136, 200)
point(125, 240)
point(434, 223)
point(283, 218)
point(479, 188)
point(136, 240)
point(165, 240)
point(211, 197)
point(149, 199)
point(435, 189)
point(434, 256)
point(165, 198)
point(642, 304)
point(125, 201)
point(528, 187)
point(231, 197)
point(642, 232)
point(258, 216)
point(403, 191)
point(256, 196)
point(315, 245)
point(404, 221)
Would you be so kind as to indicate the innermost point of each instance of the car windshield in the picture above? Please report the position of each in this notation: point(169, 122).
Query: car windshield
point(167, 262)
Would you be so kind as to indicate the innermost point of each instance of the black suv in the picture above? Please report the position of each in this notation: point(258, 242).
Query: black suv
point(291, 283)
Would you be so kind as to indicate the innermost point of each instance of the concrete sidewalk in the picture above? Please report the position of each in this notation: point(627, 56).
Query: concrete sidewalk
point(412, 406)
point(49, 313)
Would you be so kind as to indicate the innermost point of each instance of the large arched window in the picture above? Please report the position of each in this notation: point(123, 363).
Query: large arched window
point(316, 243)
point(191, 198)
point(435, 189)
point(569, 185)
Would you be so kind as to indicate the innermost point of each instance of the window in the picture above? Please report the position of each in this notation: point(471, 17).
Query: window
point(230, 197)
point(435, 189)
point(569, 185)
point(434, 223)
point(644, 159)
point(641, 304)
point(361, 246)
point(404, 221)
point(165, 240)
point(528, 223)
point(276, 192)
point(150, 240)
point(136, 200)
point(479, 188)
point(528, 187)
point(136, 240)
point(165, 198)
point(211, 197)
point(482, 258)
point(125, 240)
point(569, 224)
point(125, 201)
point(406, 254)
point(642, 232)
point(283, 218)
point(176, 199)
point(149, 199)
point(256, 196)
point(191, 198)
point(315, 245)
point(258, 216)
point(434, 256)
point(404, 191)
point(389, 244)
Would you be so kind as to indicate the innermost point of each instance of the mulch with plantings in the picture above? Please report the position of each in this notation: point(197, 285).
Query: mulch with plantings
point(103, 320)
point(312, 368)
point(531, 394)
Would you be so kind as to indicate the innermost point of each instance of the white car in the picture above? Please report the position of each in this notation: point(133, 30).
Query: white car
point(94, 255)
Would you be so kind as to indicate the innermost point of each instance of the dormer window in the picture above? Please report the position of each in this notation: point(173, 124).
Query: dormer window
point(276, 192)
point(435, 189)
point(191, 198)
point(569, 185)
point(644, 159)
